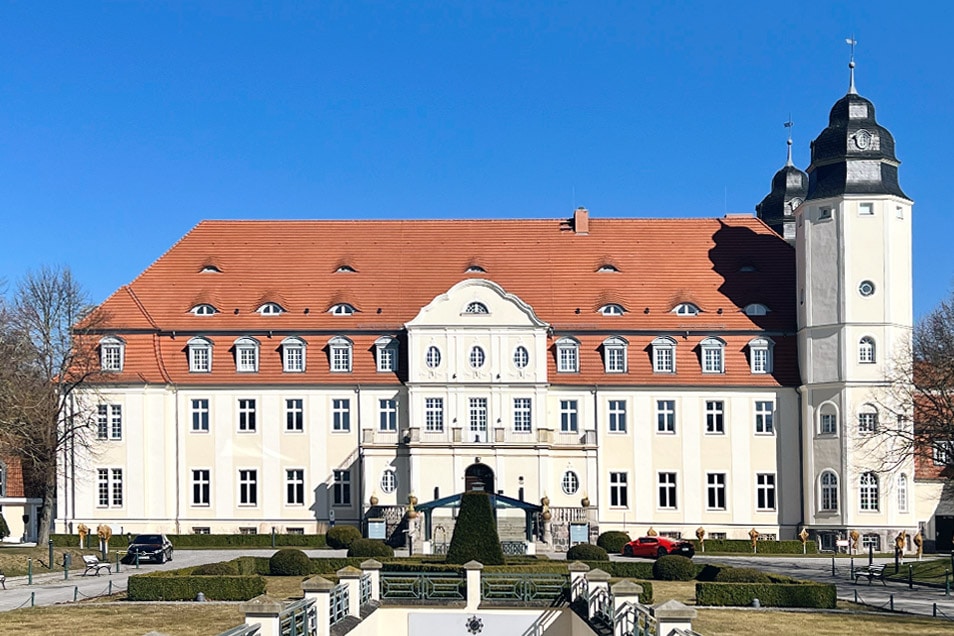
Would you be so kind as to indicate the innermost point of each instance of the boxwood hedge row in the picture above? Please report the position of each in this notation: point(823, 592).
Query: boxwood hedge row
point(764, 547)
point(164, 586)
point(813, 595)
point(119, 541)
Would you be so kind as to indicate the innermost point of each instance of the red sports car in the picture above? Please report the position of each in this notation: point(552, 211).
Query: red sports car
point(654, 547)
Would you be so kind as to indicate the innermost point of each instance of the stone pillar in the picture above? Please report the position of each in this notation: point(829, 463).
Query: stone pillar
point(351, 576)
point(596, 581)
point(319, 588)
point(577, 575)
point(473, 569)
point(626, 592)
point(264, 611)
point(373, 568)
point(673, 615)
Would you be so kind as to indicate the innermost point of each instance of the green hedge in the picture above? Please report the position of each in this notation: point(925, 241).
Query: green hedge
point(812, 595)
point(119, 542)
point(744, 546)
point(162, 586)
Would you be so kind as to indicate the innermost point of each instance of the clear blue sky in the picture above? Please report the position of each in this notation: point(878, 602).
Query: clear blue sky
point(124, 124)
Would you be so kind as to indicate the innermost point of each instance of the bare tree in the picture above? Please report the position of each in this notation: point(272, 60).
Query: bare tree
point(49, 353)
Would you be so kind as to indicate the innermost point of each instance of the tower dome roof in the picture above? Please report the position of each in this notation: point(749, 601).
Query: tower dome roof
point(789, 189)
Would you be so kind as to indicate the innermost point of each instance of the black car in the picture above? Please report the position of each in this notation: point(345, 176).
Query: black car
point(152, 547)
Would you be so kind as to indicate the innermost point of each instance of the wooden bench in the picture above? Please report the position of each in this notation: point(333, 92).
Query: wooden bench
point(872, 572)
point(94, 564)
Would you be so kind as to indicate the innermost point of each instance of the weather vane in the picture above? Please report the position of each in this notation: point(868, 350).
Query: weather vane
point(851, 42)
point(789, 124)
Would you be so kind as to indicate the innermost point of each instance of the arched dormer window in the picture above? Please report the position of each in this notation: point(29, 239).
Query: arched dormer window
point(614, 354)
point(664, 355)
point(760, 355)
point(902, 493)
point(713, 355)
point(827, 419)
point(270, 309)
point(476, 307)
point(204, 309)
point(339, 351)
point(568, 355)
point(755, 309)
point(246, 355)
point(612, 309)
point(476, 269)
point(828, 491)
point(342, 309)
point(200, 355)
point(293, 355)
point(386, 354)
point(869, 492)
point(210, 268)
point(866, 350)
point(345, 269)
point(112, 353)
point(607, 268)
point(686, 309)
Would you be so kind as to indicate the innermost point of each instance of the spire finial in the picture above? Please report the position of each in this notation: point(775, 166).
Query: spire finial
point(789, 125)
point(851, 42)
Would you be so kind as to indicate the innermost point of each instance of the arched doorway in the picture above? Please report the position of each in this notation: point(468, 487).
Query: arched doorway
point(479, 473)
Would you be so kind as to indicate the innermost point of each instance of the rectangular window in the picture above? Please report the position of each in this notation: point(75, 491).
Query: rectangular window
point(200, 359)
point(760, 360)
point(112, 358)
point(568, 416)
point(765, 491)
point(663, 359)
point(567, 361)
point(715, 491)
point(867, 423)
point(109, 422)
point(764, 412)
point(201, 485)
point(866, 209)
point(341, 415)
point(294, 415)
point(712, 359)
point(340, 358)
point(294, 358)
point(434, 415)
point(110, 487)
point(248, 487)
point(478, 419)
point(387, 359)
point(619, 494)
point(715, 417)
point(247, 359)
point(667, 491)
point(616, 359)
point(942, 452)
point(201, 530)
point(341, 491)
point(665, 416)
point(617, 416)
point(824, 213)
point(522, 415)
point(387, 415)
point(246, 423)
point(829, 424)
point(295, 487)
point(248, 530)
point(200, 415)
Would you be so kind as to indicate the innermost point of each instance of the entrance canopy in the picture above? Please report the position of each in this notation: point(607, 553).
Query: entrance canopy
point(497, 502)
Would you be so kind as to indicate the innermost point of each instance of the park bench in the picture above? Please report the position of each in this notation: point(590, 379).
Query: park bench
point(872, 572)
point(3, 580)
point(94, 564)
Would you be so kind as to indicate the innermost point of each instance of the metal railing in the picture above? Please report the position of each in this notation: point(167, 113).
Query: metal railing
point(299, 619)
point(635, 620)
point(365, 589)
point(422, 586)
point(523, 587)
point(243, 630)
point(339, 603)
point(514, 548)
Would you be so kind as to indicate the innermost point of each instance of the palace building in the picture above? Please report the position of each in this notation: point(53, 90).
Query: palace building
point(635, 373)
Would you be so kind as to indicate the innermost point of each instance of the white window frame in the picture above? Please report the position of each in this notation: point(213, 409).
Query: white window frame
point(766, 492)
point(619, 489)
point(615, 355)
point(521, 357)
point(713, 355)
point(869, 492)
point(903, 493)
point(666, 416)
point(294, 415)
point(200, 355)
point(715, 417)
point(765, 417)
point(827, 419)
point(204, 309)
point(432, 357)
point(479, 416)
point(293, 355)
point(341, 488)
point(388, 415)
point(612, 309)
point(247, 415)
point(866, 209)
point(568, 355)
point(569, 416)
point(248, 487)
point(570, 484)
point(866, 350)
point(433, 415)
point(686, 309)
point(294, 486)
point(386, 357)
point(942, 452)
point(200, 416)
point(477, 357)
point(246, 355)
point(109, 422)
point(340, 354)
point(616, 416)
point(201, 487)
point(667, 494)
point(716, 498)
point(868, 421)
point(112, 354)
point(271, 309)
point(664, 355)
point(828, 491)
point(476, 307)
point(761, 355)
point(389, 481)
point(522, 415)
point(110, 487)
point(340, 415)
point(755, 309)
point(342, 309)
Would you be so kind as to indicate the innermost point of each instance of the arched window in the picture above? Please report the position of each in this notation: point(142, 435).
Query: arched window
point(339, 350)
point(270, 309)
point(868, 420)
point(476, 308)
point(293, 355)
point(713, 355)
point(246, 355)
point(827, 419)
point(341, 309)
point(686, 309)
point(868, 492)
point(866, 350)
point(204, 309)
point(477, 357)
point(112, 353)
point(607, 268)
point(200, 355)
point(902, 493)
point(521, 357)
point(345, 269)
point(433, 357)
point(755, 309)
point(664, 355)
point(828, 499)
point(568, 355)
point(614, 354)
point(612, 309)
point(571, 483)
point(476, 269)
point(760, 355)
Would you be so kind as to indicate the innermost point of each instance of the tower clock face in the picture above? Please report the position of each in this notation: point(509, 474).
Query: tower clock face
point(862, 139)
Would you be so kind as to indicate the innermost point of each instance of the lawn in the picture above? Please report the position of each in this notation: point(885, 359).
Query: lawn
point(15, 561)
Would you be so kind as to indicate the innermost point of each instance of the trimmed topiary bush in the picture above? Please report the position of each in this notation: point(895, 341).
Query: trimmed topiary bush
point(341, 537)
point(586, 552)
point(222, 568)
point(742, 575)
point(370, 548)
point(475, 534)
point(613, 541)
point(674, 567)
point(289, 562)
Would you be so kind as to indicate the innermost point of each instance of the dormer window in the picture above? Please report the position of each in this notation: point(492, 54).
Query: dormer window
point(112, 353)
point(713, 355)
point(339, 349)
point(246, 355)
point(686, 309)
point(476, 308)
point(346, 269)
point(568, 355)
point(607, 268)
point(342, 309)
point(755, 309)
point(614, 355)
point(200, 355)
point(209, 268)
point(612, 310)
point(270, 309)
point(204, 309)
point(760, 355)
point(293, 355)
point(386, 349)
point(476, 269)
point(664, 355)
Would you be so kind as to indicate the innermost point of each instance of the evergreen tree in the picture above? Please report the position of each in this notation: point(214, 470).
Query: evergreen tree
point(475, 534)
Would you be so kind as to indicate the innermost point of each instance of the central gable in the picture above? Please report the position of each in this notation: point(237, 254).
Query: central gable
point(476, 303)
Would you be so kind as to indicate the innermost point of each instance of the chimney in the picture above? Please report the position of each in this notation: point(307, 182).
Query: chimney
point(581, 221)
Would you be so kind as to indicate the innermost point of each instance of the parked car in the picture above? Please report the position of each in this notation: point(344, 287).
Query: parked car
point(654, 547)
point(153, 547)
